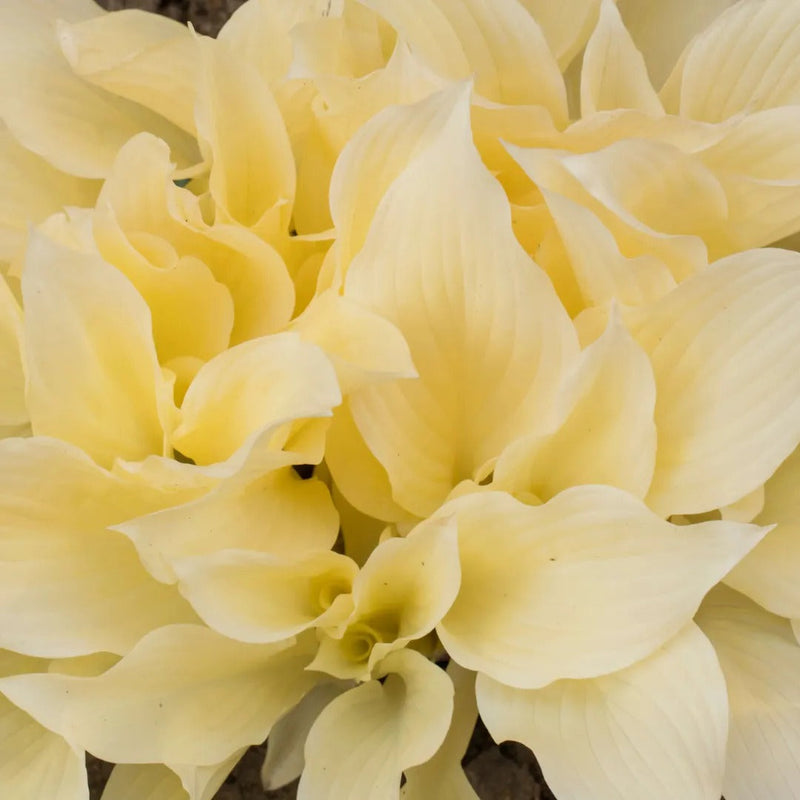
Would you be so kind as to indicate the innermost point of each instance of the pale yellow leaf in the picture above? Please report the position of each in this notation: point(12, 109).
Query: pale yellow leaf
point(257, 597)
point(760, 658)
point(12, 378)
point(150, 706)
point(656, 729)
point(144, 57)
point(566, 25)
point(255, 386)
point(614, 74)
point(276, 513)
point(285, 757)
point(662, 30)
point(68, 585)
point(598, 582)
point(726, 358)
point(400, 594)
point(80, 132)
point(32, 191)
point(363, 346)
point(441, 777)
point(769, 573)
point(499, 44)
point(143, 782)
point(486, 332)
point(746, 60)
point(607, 434)
point(36, 763)
point(252, 176)
point(91, 368)
point(364, 739)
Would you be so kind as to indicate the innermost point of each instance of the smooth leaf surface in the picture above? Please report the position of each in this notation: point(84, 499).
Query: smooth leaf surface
point(598, 582)
point(486, 332)
point(364, 739)
point(760, 659)
point(656, 729)
point(176, 681)
point(92, 374)
point(68, 585)
point(725, 350)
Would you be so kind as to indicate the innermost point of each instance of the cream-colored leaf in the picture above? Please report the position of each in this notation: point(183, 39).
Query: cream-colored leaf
point(252, 176)
point(359, 476)
point(655, 199)
point(36, 763)
point(167, 474)
point(758, 165)
point(324, 123)
point(13, 410)
point(142, 200)
point(144, 57)
point(607, 127)
point(69, 586)
point(746, 60)
point(192, 313)
point(86, 666)
point(656, 729)
point(260, 31)
point(32, 191)
point(760, 659)
point(347, 41)
point(361, 532)
point(441, 777)
point(653, 188)
point(150, 706)
point(364, 347)
point(607, 435)
point(599, 582)
point(769, 573)
point(12, 663)
point(614, 74)
point(276, 513)
point(725, 349)
point(285, 757)
point(81, 133)
point(7, 431)
point(746, 509)
point(258, 597)
point(757, 145)
point(254, 386)
point(566, 25)
point(364, 739)
point(500, 44)
point(140, 191)
point(601, 272)
point(486, 332)
point(143, 782)
point(257, 278)
point(405, 587)
point(254, 24)
point(662, 30)
point(373, 159)
point(202, 782)
point(92, 374)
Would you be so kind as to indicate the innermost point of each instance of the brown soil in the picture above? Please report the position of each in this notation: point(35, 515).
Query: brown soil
point(497, 772)
point(207, 16)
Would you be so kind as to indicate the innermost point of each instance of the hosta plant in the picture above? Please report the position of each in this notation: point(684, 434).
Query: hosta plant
point(379, 365)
